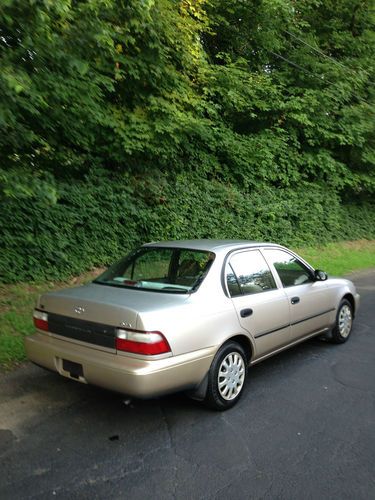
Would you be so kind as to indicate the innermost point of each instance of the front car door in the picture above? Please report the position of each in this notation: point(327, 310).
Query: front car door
point(311, 304)
point(262, 307)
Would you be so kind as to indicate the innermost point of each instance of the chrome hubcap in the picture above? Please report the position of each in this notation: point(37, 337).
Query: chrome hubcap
point(345, 321)
point(231, 376)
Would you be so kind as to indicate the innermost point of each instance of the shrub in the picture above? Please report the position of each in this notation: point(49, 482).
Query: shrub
point(94, 222)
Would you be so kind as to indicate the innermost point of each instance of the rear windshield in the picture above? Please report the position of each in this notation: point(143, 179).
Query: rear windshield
point(169, 270)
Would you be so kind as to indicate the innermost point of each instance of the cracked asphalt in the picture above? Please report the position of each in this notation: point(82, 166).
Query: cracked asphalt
point(305, 428)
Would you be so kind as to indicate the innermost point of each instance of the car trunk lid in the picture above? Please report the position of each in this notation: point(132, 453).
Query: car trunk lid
point(92, 313)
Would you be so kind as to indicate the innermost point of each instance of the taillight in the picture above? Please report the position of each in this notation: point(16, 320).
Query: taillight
point(138, 342)
point(40, 320)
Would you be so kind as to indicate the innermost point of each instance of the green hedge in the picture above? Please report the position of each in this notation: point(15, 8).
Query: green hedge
point(94, 222)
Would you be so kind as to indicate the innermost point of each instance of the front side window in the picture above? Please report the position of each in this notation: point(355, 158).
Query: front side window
point(160, 269)
point(290, 270)
point(248, 273)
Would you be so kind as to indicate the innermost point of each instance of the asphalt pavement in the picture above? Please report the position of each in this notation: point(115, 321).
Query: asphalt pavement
point(304, 429)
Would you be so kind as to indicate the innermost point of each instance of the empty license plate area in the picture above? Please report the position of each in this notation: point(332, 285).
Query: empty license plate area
point(74, 369)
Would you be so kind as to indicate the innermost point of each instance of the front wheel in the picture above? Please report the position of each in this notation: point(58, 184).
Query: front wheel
point(344, 323)
point(226, 377)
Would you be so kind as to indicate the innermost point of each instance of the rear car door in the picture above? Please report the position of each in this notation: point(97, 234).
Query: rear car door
point(262, 308)
point(310, 304)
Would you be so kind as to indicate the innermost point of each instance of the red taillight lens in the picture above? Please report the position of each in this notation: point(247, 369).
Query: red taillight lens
point(137, 342)
point(40, 320)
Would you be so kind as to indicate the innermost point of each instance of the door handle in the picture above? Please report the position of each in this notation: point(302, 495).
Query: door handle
point(295, 300)
point(246, 312)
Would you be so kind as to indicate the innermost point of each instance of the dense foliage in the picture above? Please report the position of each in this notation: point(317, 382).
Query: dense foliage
point(124, 121)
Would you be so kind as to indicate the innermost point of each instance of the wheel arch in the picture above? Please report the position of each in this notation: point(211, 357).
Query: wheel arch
point(349, 297)
point(244, 342)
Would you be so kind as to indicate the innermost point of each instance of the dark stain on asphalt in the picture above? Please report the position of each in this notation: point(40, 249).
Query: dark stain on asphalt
point(6, 439)
point(355, 374)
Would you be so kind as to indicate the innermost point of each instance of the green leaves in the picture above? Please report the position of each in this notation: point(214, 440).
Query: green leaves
point(123, 121)
point(96, 221)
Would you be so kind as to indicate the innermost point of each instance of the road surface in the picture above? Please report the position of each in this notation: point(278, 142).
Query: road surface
point(304, 429)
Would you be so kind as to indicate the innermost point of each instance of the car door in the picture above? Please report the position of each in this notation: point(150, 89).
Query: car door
point(262, 308)
point(310, 305)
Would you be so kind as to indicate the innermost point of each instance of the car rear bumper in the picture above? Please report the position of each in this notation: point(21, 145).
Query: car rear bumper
point(128, 375)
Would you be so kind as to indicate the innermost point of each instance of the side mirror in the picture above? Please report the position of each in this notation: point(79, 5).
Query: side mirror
point(320, 275)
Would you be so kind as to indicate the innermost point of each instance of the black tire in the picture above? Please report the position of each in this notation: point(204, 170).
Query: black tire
point(344, 322)
point(229, 353)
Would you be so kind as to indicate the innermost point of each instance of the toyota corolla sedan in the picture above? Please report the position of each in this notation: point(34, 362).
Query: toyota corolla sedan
point(189, 316)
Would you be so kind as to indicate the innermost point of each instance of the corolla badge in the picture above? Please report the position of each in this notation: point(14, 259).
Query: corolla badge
point(79, 309)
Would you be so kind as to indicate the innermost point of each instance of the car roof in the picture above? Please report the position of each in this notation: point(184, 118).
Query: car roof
point(209, 244)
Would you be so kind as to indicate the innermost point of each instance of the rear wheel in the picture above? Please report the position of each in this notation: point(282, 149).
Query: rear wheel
point(344, 323)
point(226, 377)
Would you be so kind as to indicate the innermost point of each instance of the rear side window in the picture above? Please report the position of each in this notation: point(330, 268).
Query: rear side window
point(248, 273)
point(291, 271)
point(232, 282)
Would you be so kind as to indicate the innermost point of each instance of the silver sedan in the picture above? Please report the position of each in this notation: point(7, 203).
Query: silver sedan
point(189, 315)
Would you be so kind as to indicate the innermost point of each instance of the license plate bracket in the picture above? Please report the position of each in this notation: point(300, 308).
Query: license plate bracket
point(74, 369)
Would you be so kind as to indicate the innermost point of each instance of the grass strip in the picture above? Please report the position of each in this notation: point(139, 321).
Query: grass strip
point(341, 258)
